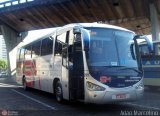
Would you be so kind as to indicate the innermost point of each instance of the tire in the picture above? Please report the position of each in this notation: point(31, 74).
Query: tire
point(58, 92)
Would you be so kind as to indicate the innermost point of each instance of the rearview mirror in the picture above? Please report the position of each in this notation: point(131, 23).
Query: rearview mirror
point(77, 34)
point(149, 43)
point(132, 51)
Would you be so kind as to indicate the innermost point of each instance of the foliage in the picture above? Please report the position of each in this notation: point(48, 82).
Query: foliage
point(3, 65)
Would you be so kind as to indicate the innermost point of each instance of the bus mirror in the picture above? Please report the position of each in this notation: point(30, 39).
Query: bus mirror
point(149, 43)
point(86, 39)
point(77, 34)
point(77, 37)
point(132, 51)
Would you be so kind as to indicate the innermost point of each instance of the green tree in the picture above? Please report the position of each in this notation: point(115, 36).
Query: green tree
point(3, 65)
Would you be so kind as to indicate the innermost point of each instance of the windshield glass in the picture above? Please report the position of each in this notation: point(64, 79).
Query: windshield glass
point(109, 47)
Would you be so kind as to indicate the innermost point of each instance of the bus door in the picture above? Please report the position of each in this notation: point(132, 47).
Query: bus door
point(76, 72)
point(65, 75)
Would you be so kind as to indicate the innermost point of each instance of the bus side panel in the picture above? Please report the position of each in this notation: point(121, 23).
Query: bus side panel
point(36, 74)
point(151, 66)
point(45, 73)
point(30, 72)
point(51, 77)
point(57, 67)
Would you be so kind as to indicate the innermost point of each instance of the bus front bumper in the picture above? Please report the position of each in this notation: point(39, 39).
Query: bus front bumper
point(113, 95)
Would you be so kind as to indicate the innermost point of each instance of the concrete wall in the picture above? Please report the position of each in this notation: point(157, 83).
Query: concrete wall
point(12, 39)
point(155, 24)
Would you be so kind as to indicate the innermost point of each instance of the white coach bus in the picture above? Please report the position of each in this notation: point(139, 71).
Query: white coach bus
point(89, 62)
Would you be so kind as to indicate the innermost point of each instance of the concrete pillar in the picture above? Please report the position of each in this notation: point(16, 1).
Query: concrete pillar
point(155, 25)
point(12, 38)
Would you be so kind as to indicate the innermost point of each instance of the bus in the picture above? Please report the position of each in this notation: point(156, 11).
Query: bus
point(88, 62)
point(151, 64)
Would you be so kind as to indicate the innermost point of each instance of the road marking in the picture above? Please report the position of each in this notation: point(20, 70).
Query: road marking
point(44, 104)
point(148, 107)
point(9, 85)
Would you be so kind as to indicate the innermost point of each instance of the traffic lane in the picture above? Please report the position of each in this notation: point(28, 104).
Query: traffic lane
point(49, 99)
point(69, 108)
point(88, 108)
point(12, 98)
point(150, 99)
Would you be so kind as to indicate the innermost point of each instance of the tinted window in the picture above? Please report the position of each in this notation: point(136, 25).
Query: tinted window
point(18, 54)
point(36, 49)
point(28, 51)
point(124, 40)
point(102, 51)
point(110, 48)
point(58, 48)
point(47, 45)
point(22, 53)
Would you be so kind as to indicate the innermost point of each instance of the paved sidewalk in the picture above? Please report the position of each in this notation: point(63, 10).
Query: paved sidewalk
point(8, 80)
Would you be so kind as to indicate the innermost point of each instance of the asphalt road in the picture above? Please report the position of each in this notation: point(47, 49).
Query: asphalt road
point(14, 101)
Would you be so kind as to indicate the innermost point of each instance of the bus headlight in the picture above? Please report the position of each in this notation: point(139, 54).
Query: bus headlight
point(140, 86)
point(94, 87)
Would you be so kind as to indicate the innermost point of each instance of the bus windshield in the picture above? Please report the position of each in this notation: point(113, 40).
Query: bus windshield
point(109, 47)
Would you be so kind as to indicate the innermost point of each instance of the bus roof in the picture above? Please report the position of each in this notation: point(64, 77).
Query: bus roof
point(81, 25)
point(97, 25)
point(37, 39)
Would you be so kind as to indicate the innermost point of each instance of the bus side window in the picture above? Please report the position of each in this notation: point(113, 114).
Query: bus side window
point(58, 48)
point(65, 55)
point(36, 49)
point(22, 53)
point(28, 50)
point(47, 45)
point(18, 54)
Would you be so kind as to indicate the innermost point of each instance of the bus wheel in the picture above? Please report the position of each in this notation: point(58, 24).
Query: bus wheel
point(58, 92)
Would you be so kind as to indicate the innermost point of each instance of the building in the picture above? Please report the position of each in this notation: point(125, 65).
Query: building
point(3, 50)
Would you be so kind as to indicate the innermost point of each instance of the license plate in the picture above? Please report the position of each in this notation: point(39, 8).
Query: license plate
point(120, 96)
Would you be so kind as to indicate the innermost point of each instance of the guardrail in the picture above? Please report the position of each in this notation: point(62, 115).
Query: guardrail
point(13, 2)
